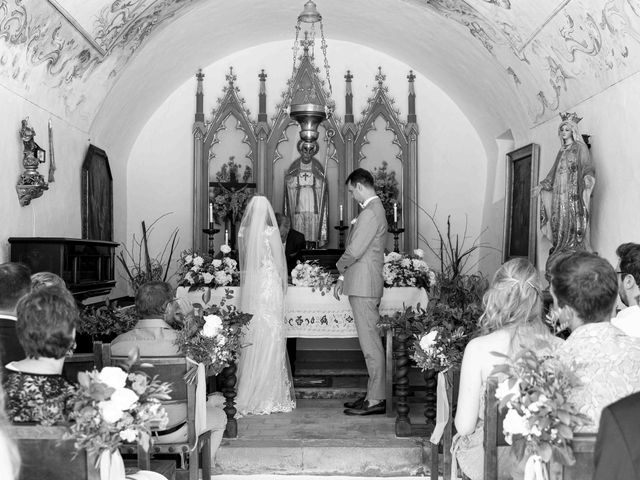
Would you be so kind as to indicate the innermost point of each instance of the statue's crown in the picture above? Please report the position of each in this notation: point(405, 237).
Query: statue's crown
point(570, 117)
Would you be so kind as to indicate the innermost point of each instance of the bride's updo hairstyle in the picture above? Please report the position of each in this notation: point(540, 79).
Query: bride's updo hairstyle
point(514, 298)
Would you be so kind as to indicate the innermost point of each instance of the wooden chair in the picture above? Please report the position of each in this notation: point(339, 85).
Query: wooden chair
point(583, 445)
point(46, 455)
point(446, 440)
point(172, 370)
point(78, 362)
point(10, 348)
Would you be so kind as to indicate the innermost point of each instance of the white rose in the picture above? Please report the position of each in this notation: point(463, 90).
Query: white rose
point(128, 435)
point(222, 340)
point(207, 277)
point(212, 325)
point(225, 249)
point(514, 424)
point(110, 411)
point(216, 263)
point(113, 377)
point(124, 398)
point(230, 262)
point(394, 256)
point(405, 262)
point(428, 340)
point(418, 252)
point(198, 261)
point(188, 259)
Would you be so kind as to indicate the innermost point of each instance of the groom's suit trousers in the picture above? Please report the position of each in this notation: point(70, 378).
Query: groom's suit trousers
point(365, 316)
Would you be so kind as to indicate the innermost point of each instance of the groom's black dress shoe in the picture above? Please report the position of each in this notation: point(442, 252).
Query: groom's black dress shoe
point(377, 409)
point(358, 403)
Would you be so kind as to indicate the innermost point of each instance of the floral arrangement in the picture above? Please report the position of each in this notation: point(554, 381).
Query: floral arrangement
point(539, 420)
point(138, 264)
point(400, 270)
point(113, 406)
point(310, 274)
point(212, 335)
point(107, 320)
point(198, 270)
point(230, 204)
point(441, 348)
point(387, 189)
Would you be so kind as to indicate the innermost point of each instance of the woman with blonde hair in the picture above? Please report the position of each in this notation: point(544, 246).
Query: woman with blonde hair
point(512, 320)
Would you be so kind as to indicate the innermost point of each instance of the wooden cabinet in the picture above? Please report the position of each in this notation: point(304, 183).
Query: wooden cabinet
point(87, 266)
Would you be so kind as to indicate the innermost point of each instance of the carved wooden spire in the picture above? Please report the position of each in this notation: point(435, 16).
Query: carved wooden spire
point(411, 117)
point(348, 98)
point(199, 117)
point(262, 98)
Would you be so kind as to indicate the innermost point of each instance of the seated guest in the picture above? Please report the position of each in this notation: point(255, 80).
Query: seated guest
point(155, 336)
point(584, 288)
point(294, 242)
point(46, 279)
point(628, 320)
point(617, 455)
point(511, 321)
point(35, 388)
point(15, 282)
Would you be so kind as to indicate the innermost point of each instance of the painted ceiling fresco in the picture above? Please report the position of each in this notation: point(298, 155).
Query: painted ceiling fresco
point(555, 53)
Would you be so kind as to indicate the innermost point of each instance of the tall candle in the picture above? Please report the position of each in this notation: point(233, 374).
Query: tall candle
point(395, 212)
point(210, 212)
point(341, 213)
point(226, 236)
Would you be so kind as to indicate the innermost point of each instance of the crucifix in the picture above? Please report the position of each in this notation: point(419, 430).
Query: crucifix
point(231, 188)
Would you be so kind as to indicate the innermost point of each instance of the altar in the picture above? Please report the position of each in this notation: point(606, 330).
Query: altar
point(310, 314)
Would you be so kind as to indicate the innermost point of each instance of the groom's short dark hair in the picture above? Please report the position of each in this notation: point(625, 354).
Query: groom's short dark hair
point(360, 175)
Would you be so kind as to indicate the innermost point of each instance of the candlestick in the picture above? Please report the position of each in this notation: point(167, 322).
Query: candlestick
point(341, 213)
point(226, 236)
point(210, 212)
point(395, 212)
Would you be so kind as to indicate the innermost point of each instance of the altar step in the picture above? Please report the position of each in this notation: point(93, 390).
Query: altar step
point(318, 439)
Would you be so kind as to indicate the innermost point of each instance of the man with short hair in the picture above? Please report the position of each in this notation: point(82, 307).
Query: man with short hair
point(15, 282)
point(628, 319)
point(605, 360)
point(360, 268)
point(152, 334)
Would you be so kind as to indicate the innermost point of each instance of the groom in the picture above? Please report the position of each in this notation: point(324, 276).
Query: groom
point(360, 268)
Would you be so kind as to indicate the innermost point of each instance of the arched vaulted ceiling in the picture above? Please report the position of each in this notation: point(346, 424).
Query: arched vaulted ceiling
point(509, 64)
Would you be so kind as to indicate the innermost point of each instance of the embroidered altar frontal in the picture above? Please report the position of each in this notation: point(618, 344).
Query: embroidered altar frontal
point(309, 314)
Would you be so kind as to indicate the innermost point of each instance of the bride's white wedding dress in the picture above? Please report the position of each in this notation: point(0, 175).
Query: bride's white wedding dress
point(264, 378)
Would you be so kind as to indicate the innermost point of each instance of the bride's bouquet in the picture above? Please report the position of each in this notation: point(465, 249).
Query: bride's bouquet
point(310, 274)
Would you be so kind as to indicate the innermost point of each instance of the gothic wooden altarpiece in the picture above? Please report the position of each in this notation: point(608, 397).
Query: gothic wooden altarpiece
point(269, 147)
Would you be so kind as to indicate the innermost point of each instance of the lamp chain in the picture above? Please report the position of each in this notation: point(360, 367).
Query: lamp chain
point(323, 46)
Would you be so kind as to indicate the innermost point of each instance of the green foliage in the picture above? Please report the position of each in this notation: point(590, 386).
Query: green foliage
point(107, 320)
point(387, 188)
point(139, 266)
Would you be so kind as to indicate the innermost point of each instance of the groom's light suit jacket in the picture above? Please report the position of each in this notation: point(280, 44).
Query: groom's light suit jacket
point(362, 261)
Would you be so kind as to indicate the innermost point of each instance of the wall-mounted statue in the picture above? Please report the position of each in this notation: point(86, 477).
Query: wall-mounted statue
point(306, 195)
point(31, 184)
point(565, 193)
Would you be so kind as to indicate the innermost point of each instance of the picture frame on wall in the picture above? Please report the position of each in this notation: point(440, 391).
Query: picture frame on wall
point(97, 196)
point(521, 211)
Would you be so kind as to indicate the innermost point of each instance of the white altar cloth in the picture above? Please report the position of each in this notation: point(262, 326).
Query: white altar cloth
point(312, 315)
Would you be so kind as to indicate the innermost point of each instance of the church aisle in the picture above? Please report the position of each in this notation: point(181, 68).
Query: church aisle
point(318, 439)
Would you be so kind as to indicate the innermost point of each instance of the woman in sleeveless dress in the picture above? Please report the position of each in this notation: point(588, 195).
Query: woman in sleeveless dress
point(264, 379)
point(512, 320)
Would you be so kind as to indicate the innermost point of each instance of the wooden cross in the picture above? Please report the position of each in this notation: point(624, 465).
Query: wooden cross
point(232, 186)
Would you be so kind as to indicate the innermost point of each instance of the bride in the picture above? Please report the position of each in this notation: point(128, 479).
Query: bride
point(264, 379)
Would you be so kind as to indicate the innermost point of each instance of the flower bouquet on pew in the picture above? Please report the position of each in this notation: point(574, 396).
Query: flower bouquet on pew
point(540, 421)
point(402, 270)
point(199, 270)
point(310, 274)
point(212, 336)
point(116, 406)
